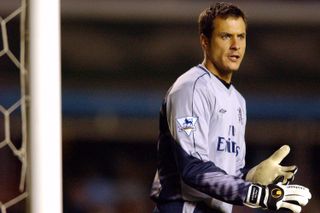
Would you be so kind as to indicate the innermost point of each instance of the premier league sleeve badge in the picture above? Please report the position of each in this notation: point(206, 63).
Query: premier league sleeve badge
point(187, 124)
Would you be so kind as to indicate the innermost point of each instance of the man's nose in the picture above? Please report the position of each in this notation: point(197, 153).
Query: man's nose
point(235, 44)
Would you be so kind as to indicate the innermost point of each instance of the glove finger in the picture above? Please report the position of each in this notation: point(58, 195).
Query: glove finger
point(298, 191)
point(292, 169)
point(279, 179)
point(293, 207)
point(298, 200)
point(288, 177)
point(280, 154)
point(286, 181)
point(288, 173)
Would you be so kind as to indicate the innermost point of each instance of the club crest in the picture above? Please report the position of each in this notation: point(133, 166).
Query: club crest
point(240, 116)
point(187, 124)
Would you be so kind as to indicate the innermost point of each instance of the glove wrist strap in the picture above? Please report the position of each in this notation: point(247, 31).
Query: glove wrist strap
point(256, 196)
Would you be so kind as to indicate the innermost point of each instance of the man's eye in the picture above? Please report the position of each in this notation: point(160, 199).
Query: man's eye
point(241, 36)
point(224, 37)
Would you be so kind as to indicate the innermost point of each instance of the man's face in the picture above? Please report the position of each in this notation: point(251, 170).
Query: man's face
point(227, 45)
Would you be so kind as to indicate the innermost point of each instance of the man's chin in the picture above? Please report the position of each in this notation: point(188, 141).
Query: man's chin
point(234, 70)
point(231, 70)
point(228, 69)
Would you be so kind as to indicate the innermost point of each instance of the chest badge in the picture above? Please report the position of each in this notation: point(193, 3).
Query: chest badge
point(187, 124)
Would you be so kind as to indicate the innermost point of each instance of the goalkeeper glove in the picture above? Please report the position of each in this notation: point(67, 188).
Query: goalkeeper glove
point(278, 196)
point(270, 169)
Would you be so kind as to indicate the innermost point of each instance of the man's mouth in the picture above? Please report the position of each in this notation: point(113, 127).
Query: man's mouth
point(234, 57)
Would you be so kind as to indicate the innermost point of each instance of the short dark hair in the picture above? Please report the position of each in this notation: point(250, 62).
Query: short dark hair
point(221, 9)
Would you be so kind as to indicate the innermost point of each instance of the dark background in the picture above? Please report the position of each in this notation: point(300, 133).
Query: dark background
point(118, 60)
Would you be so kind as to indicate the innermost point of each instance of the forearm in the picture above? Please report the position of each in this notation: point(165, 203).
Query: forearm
point(209, 179)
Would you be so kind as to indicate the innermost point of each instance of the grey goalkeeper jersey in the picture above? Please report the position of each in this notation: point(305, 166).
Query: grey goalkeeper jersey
point(201, 146)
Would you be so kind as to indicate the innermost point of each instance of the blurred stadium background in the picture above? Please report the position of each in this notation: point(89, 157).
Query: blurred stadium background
point(118, 60)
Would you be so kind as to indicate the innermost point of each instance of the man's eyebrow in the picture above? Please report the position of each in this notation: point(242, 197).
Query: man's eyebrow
point(224, 33)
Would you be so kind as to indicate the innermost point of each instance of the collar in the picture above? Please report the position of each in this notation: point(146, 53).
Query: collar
point(226, 84)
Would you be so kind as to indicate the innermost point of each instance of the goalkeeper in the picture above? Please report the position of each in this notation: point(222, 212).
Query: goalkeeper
point(201, 146)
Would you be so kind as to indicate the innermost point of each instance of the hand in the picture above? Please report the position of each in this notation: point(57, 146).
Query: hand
point(278, 196)
point(270, 169)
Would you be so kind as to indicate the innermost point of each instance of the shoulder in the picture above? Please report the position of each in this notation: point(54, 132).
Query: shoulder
point(194, 79)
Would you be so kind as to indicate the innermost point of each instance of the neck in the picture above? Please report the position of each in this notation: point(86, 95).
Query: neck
point(225, 76)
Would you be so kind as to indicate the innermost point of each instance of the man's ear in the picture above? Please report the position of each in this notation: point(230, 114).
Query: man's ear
point(204, 41)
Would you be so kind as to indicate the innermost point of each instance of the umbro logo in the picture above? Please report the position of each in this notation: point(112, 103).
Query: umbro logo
point(222, 111)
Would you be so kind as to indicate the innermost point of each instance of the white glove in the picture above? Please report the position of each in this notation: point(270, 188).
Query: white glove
point(278, 196)
point(270, 169)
